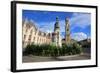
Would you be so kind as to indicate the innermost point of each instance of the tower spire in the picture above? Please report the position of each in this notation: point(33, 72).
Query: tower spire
point(57, 18)
point(56, 26)
point(56, 36)
point(67, 31)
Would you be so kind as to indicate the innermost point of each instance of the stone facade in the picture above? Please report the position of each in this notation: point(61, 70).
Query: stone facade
point(56, 35)
point(31, 34)
point(67, 31)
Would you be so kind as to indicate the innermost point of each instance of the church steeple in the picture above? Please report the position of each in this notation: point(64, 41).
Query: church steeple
point(67, 31)
point(56, 34)
point(57, 23)
point(57, 19)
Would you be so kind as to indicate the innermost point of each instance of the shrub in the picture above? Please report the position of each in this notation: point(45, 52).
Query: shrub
point(77, 48)
point(52, 50)
point(28, 50)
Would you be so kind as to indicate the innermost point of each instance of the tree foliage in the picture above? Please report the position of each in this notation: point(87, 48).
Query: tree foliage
point(52, 50)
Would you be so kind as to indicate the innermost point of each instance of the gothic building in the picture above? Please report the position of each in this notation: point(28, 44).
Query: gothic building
point(32, 35)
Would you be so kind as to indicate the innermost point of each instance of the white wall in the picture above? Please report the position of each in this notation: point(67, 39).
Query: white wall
point(5, 37)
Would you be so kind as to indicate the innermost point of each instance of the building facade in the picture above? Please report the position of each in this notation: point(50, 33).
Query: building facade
point(32, 35)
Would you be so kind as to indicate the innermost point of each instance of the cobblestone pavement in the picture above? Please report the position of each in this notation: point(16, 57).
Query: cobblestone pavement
point(32, 58)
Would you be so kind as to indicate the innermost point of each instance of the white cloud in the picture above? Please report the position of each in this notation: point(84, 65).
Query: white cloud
point(49, 26)
point(81, 20)
point(46, 26)
point(79, 36)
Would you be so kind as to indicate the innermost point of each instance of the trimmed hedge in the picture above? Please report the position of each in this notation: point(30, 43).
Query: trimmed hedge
point(51, 50)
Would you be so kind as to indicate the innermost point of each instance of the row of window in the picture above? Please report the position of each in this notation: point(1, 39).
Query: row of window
point(39, 33)
point(39, 39)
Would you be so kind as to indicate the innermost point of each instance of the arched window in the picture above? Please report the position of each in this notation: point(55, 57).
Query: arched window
point(26, 30)
point(31, 31)
point(24, 37)
point(34, 38)
point(29, 38)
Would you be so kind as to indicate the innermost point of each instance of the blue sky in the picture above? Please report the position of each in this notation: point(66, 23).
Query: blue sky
point(80, 23)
